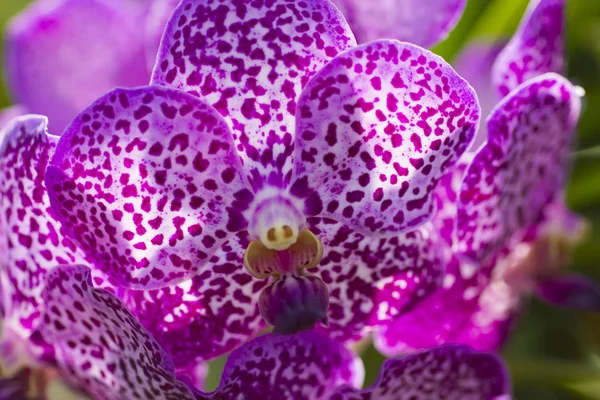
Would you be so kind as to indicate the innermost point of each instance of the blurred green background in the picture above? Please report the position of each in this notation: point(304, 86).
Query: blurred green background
point(553, 355)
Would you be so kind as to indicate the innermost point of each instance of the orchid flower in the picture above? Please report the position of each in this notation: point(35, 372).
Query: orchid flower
point(100, 348)
point(62, 54)
point(513, 231)
point(508, 232)
point(275, 143)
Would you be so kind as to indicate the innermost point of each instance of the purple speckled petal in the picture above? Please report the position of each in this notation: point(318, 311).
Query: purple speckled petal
point(147, 181)
point(536, 48)
point(377, 129)
point(470, 308)
point(159, 12)
point(61, 55)
point(6, 114)
point(372, 280)
point(32, 241)
point(523, 166)
point(446, 197)
point(413, 21)
point(99, 344)
point(207, 316)
point(250, 60)
point(475, 65)
point(449, 373)
point(303, 366)
point(570, 291)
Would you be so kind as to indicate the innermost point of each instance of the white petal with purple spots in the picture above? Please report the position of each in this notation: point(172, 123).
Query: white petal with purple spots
point(536, 48)
point(523, 166)
point(377, 129)
point(250, 60)
point(148, 182)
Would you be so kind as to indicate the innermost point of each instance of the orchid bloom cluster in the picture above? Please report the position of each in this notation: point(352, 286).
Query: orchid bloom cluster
point(272, 171)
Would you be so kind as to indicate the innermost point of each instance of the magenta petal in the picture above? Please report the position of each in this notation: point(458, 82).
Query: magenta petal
point(413, 21)
point(145, 180)
point(470, 308)
point(536, 48)
point(99, 344)
point(377, 129)
point(523, 166)
point(449, 373)
point(574, 292)
point(61, 55)
point(250, 60)
point(304, 366)
point(475, 65)
point(32, 241)
point(370, 280)
point(207, 316)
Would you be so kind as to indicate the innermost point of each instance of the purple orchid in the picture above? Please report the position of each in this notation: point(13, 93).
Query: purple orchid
point(62, 54)
point(100, 348)
point(312, 150)
point(407, 20)
point(513, 230)
point(507, 230)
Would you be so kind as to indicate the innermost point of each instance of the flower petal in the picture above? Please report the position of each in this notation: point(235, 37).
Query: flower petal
point(250, 61)
point(407, 20)
point(62, 55)
point(99, 344)
point(302, 366)
point(377, 129)
point(449, 373)
point(147, 181)
point(159, 13)
point(475, 65)
point(32, 241)
point(536, 48)
point(207, 316)
point(523, 166)
point(371, 280)
point(574, 292)
point(470, 308)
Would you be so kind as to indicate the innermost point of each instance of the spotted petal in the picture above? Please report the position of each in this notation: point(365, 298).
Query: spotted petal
point(62, 55)
point(32, 241)
point(372, 280)
point(536, 48)
point(250, 60)
point(159, 13)
point(208, 315)
point(470, 308)
point(407, 20)
point(377, 129)
point(147, 181)
point(100, 346)
point(574, 292)
point(523, 166)
point(449, 373)
point(302, 366)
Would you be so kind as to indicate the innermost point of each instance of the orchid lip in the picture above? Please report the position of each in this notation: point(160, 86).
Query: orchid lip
point(262, 262)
